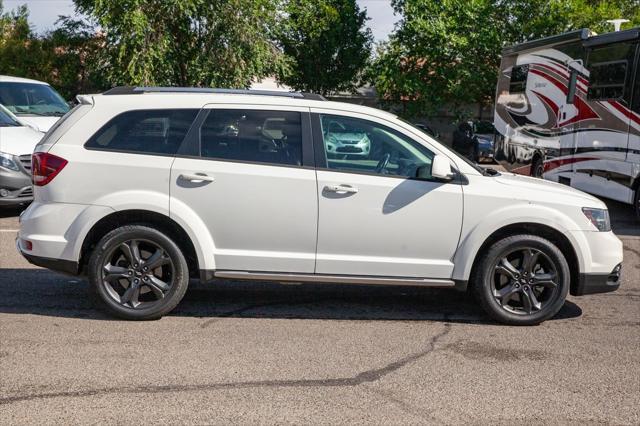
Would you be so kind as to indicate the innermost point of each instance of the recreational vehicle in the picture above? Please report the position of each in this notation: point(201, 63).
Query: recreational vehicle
point(568, 110)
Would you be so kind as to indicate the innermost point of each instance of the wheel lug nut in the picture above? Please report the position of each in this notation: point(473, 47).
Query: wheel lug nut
point(130, 272)
point(135, 265)
point(146, 278)
point(136, 281)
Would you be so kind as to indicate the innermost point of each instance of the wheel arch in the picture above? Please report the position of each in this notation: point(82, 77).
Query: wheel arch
point(559, 238)
point(146, 218)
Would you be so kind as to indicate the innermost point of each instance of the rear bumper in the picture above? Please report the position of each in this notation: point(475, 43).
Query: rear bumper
point(60, 265)
point(598, 283)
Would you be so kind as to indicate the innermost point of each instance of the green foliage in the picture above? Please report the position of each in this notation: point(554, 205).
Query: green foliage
point(447, 52)
point(224, 43)
point(21, 53)
point(327, 42)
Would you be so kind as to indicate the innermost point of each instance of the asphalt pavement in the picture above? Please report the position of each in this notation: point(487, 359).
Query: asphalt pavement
point(237, 352)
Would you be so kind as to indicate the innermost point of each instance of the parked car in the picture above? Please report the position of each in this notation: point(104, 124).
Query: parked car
point(164, 206)
point(343, 141)
point(17, 142)
point(474, 140)
point(33, 102)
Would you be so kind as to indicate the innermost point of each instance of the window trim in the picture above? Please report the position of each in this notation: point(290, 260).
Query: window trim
point(130, 151)
point(321, 156)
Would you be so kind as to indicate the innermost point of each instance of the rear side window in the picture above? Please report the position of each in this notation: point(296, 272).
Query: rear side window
point(518, 82)
point(257, 136)
point(158, 131)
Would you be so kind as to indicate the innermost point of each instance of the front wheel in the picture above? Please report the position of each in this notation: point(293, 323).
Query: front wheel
point(138, 273)
point(522, 280)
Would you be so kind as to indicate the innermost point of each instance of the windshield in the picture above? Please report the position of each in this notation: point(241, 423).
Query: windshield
point(6, 120)
point(32, 99)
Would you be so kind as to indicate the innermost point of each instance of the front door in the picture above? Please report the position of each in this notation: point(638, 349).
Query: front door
point(375, 218)
point(247, 180)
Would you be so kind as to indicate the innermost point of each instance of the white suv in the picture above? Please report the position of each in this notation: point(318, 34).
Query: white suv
point(142, 188)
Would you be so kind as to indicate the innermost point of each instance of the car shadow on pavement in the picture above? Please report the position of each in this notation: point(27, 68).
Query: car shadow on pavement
point(41, 292)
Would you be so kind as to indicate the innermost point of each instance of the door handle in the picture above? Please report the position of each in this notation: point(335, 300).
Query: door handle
point(346, 189)
point(196, 177)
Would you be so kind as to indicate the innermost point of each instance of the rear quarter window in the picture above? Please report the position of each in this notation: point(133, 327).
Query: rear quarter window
point(159, 131)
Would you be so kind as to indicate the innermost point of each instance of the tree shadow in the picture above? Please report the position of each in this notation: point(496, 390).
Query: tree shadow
point(41, 292)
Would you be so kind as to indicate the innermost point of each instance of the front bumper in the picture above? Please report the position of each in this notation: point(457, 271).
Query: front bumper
point(15, 188)
point(598, 283)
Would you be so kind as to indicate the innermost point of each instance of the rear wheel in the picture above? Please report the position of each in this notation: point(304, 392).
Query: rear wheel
point(138, 273)
point(522, 280)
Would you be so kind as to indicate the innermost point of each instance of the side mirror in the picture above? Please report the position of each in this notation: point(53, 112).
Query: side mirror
point(441, 168)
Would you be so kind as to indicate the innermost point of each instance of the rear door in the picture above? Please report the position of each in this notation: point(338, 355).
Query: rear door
point(600, 163)
point(249, 177)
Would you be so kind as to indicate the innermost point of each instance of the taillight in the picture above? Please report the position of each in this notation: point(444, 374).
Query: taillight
point(44, 167)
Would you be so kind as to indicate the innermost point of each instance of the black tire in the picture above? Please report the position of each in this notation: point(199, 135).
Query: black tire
point(537, 167)
point(513, 298)
point(166, 283)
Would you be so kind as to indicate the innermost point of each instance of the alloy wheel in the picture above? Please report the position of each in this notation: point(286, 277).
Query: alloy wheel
point(524, 281)
point(137, 274)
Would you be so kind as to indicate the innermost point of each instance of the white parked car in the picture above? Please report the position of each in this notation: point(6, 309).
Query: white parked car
point(17, 142)
point(33, 102)
point(140, 189)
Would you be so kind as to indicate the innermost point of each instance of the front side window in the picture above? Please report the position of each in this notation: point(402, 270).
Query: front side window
point(32, 99)
point(518, 81)
point(158, 131)
point(257, 136)
point(357, 145)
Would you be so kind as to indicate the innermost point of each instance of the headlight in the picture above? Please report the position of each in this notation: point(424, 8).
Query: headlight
point(6, 161)
point(599, 218)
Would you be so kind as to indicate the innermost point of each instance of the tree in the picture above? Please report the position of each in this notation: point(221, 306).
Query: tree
point(327, 42)
point(447, 52)
point(75, 57)
point(21, 52)
point(223, 43)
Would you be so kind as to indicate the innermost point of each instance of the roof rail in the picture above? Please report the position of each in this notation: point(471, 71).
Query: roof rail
point(130, 90)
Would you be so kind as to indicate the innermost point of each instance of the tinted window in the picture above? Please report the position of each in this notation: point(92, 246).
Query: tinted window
point(6, 120)
point(608, 69)
point(518, 82)
point(30, 98)
point(364, 146)
point(636, 93)
point(272, 137)
point(159, 131)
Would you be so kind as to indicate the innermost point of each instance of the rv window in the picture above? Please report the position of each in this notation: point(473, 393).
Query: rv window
point(518, 83)
point(607, 80)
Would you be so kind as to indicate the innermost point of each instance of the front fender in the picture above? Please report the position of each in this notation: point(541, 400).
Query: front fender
point(474, 235)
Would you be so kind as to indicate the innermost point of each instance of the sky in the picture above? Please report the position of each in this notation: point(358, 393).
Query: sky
point(44, 14)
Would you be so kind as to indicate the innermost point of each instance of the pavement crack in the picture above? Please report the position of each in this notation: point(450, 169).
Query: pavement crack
point(368, 376)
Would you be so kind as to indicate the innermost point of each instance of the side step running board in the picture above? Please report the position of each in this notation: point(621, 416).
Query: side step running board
point(341, 279)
